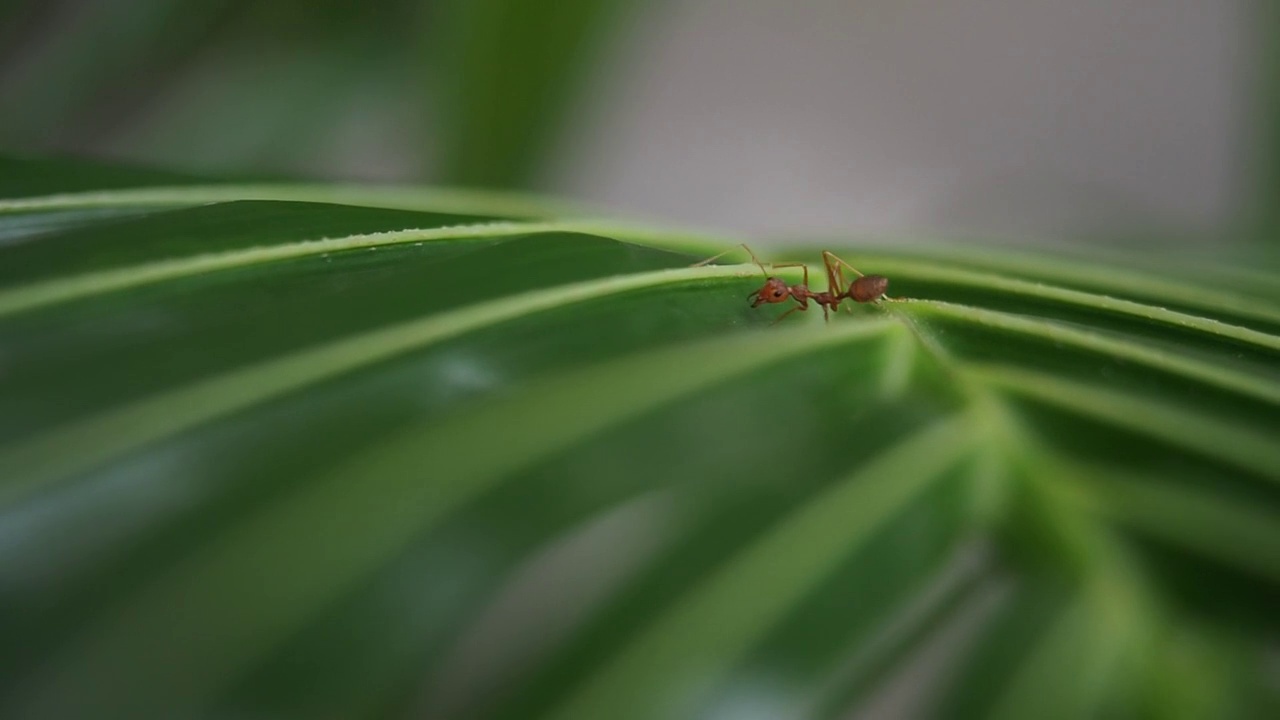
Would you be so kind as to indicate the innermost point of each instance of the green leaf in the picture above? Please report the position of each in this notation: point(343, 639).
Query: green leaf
point(317, 451)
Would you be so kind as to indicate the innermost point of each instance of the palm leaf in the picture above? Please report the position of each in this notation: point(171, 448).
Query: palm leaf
point(362, 452)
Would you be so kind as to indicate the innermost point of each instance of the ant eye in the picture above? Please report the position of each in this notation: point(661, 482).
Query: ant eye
point(778, 293)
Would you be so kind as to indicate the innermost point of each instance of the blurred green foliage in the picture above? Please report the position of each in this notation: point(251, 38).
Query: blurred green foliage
point(471, 92)
point(1268, 117)
point(508, 73)
point(455, 91)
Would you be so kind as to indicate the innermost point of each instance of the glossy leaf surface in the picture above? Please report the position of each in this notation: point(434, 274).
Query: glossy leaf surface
point(297, 451)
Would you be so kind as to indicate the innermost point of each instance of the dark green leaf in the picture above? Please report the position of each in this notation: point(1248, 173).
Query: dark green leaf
point(310, 451)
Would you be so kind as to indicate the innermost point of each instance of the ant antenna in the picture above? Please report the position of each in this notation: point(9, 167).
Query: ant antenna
point(756, 260)
point(717, 256)
point(711, 259)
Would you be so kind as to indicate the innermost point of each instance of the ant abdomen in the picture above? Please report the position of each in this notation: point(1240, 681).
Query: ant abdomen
point(868, 288)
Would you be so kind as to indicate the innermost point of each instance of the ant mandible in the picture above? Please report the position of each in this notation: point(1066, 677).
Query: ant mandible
point(866, 289)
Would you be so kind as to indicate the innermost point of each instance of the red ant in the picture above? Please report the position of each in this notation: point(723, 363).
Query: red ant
point(866, 289)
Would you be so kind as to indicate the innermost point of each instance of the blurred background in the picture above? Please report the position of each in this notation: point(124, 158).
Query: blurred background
point(1028, 119)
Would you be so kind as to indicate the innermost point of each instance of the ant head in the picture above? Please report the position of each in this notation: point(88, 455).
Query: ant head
point(775, 290)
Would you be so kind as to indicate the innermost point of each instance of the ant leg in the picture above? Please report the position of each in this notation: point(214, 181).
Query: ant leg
point(854, 269)
point(834, 285)
point(803, 307)
point(802, 266)
point(835, 264)
point(827, 255)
